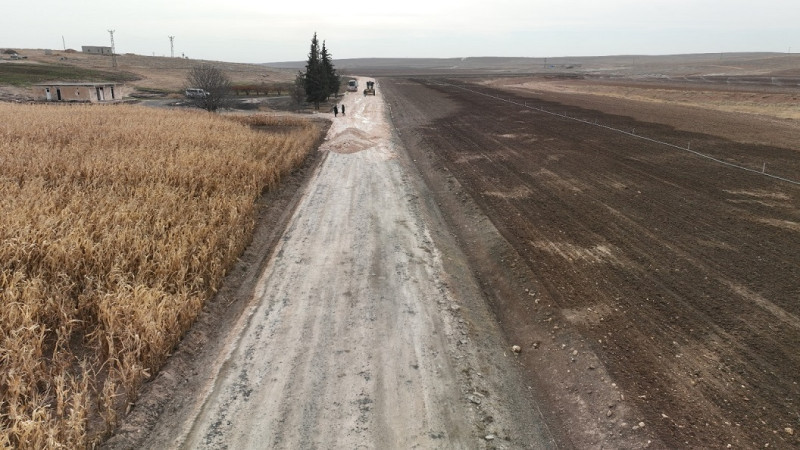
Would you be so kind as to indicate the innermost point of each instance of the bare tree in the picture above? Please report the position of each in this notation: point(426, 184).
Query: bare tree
point(298, 90)
point(215, 84)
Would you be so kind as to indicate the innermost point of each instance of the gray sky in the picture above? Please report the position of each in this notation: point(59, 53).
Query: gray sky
point(258, 31)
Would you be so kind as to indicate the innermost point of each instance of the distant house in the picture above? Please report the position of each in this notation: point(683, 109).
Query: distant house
point(75, 92)
point(96, 50)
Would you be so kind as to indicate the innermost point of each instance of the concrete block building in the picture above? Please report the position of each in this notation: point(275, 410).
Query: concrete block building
point(75, 92)
point(96, 50)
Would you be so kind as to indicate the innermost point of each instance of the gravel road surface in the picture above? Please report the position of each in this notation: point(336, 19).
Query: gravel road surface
point(366, 329)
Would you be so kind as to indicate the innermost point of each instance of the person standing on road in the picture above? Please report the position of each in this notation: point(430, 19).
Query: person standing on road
point(335, 110)
point(342, 108)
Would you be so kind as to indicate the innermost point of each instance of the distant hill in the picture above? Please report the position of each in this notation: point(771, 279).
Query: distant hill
point(623, 65)
point(140, 71)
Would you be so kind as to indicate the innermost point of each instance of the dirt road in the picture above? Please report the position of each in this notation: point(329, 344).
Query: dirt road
point(366, 329)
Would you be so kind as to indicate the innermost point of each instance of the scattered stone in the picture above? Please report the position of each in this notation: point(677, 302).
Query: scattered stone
point(789, 431)
point(609, 413)
point(516, 348)
point(641, 424)
point(454, 307)
point(574, 353)
point(474, 399)
point(490, 437)
point(536, 344)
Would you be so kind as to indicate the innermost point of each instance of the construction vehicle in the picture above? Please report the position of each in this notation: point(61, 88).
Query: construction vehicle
point(370, 90)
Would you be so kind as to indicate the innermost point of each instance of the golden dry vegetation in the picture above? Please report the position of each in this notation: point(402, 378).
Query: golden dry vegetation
point(118, 223)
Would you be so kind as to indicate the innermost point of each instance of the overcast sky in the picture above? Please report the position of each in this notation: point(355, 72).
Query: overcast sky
point(258, 31)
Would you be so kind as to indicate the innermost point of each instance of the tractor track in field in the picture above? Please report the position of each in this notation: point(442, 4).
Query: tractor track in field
point(663, 302)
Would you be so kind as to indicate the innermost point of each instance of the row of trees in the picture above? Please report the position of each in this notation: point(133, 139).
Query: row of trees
point(320, 79)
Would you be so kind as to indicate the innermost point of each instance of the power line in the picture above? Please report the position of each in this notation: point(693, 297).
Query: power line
point(113, 50)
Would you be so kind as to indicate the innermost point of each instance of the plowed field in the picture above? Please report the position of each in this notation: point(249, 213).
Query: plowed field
point(655, 293)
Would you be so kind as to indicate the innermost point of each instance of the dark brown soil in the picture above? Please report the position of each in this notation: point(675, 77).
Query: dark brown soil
point(655, 293)
point(738, 127)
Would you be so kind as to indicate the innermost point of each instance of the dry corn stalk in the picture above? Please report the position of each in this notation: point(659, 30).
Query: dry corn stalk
point(118, 223)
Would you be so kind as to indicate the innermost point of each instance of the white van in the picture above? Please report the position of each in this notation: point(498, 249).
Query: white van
point(196, 93)
point(352, 85)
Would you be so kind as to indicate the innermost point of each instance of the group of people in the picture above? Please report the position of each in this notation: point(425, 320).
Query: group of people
point(336, 110)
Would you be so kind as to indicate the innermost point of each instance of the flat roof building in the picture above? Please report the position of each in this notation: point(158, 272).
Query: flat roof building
point(57, 91)
point(96, 49)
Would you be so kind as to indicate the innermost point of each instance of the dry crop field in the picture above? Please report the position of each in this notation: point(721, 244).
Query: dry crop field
point(118, 223)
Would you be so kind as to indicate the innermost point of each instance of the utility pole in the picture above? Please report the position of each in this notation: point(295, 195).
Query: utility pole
point(63, 42)
point(171, 46)
point(113, 50)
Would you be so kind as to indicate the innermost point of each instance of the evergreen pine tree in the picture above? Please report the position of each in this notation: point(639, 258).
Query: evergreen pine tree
point(329, 73)
point(315, 89)
point(320, 79)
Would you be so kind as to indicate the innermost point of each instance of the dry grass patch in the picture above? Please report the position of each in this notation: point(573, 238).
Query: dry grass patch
point(118, 223)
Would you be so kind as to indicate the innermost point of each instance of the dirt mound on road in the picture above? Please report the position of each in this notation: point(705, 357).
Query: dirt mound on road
point(351, 140)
